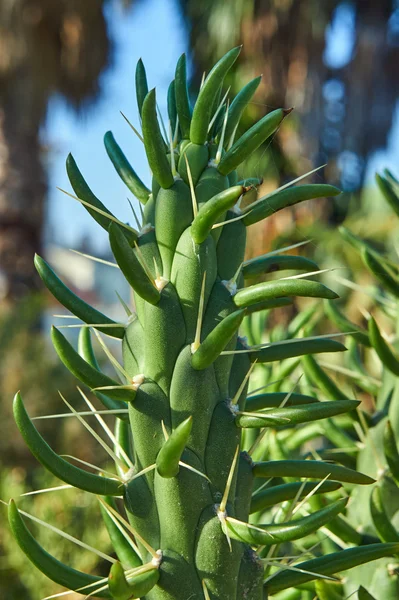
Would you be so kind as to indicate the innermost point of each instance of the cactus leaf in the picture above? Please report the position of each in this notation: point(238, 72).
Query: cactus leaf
point(47, 564)
point(76, 305)
point(281, 288)
point(182, 100)
point(203, 107)
point(170, 454)
point(56, 464)
point(250, 141)
point(309, 468)
point(213, 210)
point(154, 142)
point(268, 534)
point(295, 415)
point(216, 341)
point(328, 565)
point(275, 201)
point(124, 169)
point(131, 267)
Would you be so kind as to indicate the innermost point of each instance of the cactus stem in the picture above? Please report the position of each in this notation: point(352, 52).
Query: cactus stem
point(236, 398)
point(102, 443)
point(205, 590)
point(133, 127)
point(192, 190)
point(221, 141)
point(139, 225)
point(197, 340)
point(154, 553)
point(219, 108)
point(98, 210)
point(223, 503)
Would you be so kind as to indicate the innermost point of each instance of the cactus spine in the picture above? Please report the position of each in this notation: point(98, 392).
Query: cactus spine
point(180, 410)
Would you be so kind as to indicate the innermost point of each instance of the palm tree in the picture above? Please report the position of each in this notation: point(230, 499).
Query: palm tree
point(345, 108)
point(46, 48)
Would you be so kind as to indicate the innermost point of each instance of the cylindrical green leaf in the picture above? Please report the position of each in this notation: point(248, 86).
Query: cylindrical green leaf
point(309, 468)
point(382, 523)
point(83, 192)
point(51, 567)
point(216, 341)
point(238, 106)
point(182, 101)
point(389, 193)
point(202, 112)
point(387, 357)
point(344, 324)
point(295, 347)
point(170, 454)
point(296, 414)
point(154, 142)
point(251, 140)
point(125, 169)
point(329, 565)
point(276, 201)
point(276, 262)
point(287, 531)
point(275, 399)
point(277, 289)
point(85, 372)
point(58, 466)
point(211, 211)
point(391, 451)
point(141, 84)
point(379, 269)
point(131, 267)
point(76, 305)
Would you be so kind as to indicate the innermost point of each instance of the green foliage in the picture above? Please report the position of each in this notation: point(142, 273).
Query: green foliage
point(191, 453)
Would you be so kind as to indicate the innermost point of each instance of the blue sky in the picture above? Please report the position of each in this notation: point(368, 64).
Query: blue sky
point(154, 31)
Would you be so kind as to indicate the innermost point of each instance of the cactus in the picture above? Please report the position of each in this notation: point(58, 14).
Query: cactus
point(182, 529)
point(370, 444)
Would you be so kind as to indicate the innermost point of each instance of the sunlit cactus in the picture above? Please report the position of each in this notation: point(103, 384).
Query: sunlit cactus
point(181, 399)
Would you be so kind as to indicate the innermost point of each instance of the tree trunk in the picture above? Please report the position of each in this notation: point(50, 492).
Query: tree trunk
point(22, 195)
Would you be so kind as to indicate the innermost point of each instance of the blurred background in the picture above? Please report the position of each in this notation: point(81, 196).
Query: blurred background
point(66, 74)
